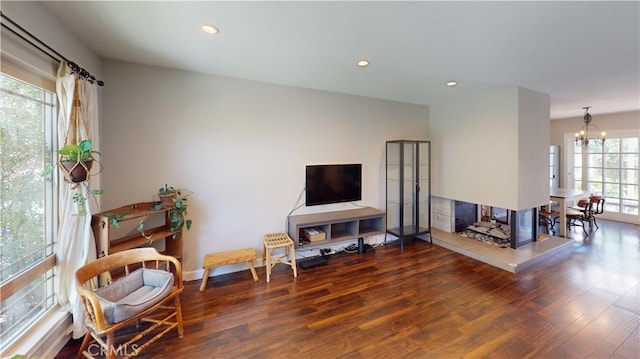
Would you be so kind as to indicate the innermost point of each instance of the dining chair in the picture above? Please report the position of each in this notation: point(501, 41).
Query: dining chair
point(580, 205)
point(597, 208)
point(548, 218)
point(577, 218)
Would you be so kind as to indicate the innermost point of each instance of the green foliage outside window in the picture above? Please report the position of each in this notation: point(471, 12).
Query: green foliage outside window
point(26, 122)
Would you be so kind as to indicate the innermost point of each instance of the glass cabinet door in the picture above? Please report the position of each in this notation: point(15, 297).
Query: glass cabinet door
point(408, 188)
point(394, 200)
point(424, 184)
point(409, 183)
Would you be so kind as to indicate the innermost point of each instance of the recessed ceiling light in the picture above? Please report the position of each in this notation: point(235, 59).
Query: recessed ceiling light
point(210, 29)
point(363, 63)
point(451, 83)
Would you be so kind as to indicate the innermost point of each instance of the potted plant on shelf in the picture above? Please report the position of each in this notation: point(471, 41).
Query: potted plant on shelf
point(167, 195)
point(176, 201)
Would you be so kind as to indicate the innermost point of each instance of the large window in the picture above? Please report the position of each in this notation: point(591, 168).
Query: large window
point(27, 122)
point(612, 170)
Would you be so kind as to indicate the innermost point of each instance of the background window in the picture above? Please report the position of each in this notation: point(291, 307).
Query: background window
point(27, 122)
point(611, 170)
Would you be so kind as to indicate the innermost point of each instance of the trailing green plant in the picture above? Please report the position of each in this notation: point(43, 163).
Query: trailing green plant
point(75, 152)
point(114, 218)
point(177, 211)
point(176, 214)
point(78, 151)
point(81, 201)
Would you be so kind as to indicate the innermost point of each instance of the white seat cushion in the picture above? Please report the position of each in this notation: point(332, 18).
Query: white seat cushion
point(134, 293)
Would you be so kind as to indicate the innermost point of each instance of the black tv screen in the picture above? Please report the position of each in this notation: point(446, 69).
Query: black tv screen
point(333, 183)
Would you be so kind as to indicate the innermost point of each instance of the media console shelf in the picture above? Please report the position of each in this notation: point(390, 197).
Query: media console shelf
point(339, 225)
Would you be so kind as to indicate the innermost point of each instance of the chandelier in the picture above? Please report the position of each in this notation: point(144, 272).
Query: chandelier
point(587, 132)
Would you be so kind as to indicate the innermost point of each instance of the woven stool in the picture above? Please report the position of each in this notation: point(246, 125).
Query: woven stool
point(279, 240)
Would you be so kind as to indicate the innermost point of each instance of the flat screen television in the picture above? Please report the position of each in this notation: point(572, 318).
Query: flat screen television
point(333, 183)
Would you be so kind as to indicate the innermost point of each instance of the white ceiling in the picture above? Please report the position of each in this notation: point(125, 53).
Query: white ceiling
point(580, 53)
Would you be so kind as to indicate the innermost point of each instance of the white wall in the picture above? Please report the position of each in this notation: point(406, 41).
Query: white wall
point(241, 147)
point(492, 148)
point(40, 22)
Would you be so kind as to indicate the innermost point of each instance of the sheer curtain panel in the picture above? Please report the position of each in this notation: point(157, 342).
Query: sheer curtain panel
point(75, 243)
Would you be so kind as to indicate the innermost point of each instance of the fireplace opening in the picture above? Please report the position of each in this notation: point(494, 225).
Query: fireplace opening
point(498, 226)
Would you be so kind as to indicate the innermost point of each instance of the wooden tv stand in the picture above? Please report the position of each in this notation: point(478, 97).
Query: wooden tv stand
point(338, 225)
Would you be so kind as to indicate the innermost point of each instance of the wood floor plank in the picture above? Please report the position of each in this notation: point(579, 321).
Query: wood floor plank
point(425, 302)
point(630, 300)
point(504, 346)
point(630, 347)
point(611, 328)
point(542, 335)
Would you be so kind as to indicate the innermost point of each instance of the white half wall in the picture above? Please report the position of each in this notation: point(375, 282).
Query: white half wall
point(533, 148)
point(492, 148)
point(241, 146)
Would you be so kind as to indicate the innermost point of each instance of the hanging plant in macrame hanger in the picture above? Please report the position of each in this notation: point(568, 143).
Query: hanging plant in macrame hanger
point(77, 156)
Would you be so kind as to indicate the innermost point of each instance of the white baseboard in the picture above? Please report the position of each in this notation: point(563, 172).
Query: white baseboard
point(188, 276)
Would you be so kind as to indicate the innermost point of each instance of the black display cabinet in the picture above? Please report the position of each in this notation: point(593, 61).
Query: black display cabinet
point(408, 184)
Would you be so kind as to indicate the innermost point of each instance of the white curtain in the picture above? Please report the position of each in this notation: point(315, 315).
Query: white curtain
point(75, 245)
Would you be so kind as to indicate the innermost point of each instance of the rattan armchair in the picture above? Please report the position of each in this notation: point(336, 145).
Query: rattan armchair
point(146, 285)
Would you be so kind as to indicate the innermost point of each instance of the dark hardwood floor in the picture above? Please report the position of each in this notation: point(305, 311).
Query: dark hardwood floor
point(427, 302)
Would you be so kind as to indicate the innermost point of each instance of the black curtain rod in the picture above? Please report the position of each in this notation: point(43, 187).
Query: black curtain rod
point(47, 50)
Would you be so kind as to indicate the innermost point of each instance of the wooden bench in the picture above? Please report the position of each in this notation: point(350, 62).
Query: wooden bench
point(230, 257)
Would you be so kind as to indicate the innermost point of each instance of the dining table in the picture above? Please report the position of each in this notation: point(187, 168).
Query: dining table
point(564, 196)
